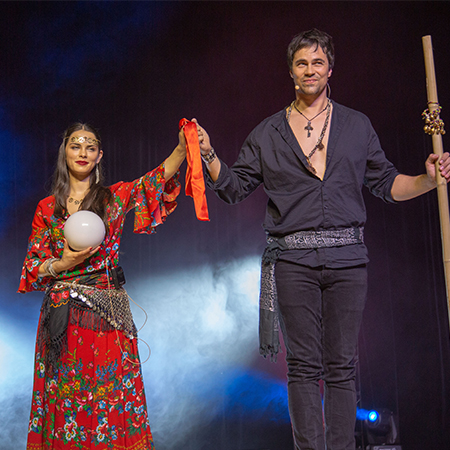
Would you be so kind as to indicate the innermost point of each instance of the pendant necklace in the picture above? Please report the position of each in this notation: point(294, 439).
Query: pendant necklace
point(308, 127)
point(319, 144)
point(75, 201)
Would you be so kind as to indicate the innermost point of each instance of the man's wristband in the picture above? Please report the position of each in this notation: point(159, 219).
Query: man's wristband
point(210, 157)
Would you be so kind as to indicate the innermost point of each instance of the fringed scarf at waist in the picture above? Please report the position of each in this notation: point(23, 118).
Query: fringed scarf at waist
point(88, 302)
point(269, 342)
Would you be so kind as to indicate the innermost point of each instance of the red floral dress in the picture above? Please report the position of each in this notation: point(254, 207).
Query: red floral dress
point(94, 396)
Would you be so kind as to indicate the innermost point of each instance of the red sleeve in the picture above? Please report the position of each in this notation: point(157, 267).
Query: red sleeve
point(39, 249)
point(152, 198)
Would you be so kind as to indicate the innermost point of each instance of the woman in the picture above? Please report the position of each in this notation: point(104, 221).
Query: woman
point(88, 390)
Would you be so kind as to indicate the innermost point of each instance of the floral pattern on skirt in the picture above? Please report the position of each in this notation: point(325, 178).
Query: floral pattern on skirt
point(94, 399)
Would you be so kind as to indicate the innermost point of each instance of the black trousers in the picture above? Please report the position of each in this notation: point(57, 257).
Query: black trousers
point(320, 316)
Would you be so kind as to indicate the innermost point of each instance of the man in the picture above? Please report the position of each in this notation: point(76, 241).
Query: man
point(313, 158)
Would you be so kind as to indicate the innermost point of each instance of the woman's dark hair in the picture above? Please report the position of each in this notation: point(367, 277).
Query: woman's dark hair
point(97, 197)
point(308, 39)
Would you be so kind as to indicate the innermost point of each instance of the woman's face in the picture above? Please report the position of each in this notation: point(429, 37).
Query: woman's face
point(82, 154)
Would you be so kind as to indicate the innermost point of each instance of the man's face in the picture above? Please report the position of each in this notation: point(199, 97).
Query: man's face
point(310, 70)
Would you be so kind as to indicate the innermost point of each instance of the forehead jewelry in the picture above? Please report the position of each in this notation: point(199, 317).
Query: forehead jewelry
point(81, 139)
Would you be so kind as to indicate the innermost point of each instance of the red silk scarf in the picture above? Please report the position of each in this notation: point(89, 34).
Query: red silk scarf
point(195, 183)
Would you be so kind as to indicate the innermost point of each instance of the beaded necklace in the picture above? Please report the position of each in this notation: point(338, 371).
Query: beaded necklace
point(77, 202)
point(308, 127)
point(319, 144)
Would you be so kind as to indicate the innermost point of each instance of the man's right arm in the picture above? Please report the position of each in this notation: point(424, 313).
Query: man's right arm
point(213, 167)
point(206, 149)
point(231, 184)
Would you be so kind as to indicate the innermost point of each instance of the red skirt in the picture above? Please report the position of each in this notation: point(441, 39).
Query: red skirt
point(94, 399)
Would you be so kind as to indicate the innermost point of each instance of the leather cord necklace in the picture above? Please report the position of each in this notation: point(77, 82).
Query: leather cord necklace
point(319, 144)
point(308, 127)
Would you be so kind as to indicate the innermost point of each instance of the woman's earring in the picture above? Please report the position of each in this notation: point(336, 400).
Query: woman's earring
point(97, 174)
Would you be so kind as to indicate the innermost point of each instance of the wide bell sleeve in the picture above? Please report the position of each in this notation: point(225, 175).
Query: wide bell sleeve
point(151, 196)
point(39, 249)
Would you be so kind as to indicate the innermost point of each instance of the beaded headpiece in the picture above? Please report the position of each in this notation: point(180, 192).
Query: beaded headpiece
point(81, 139)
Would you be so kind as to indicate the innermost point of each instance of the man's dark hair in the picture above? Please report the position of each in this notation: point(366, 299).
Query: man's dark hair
point(308, 39)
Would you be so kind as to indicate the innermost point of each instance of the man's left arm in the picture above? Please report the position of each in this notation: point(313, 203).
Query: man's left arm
point(406, 187)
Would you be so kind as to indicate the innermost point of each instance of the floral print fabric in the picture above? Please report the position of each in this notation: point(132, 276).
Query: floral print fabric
point(153, 200)
point(94, 398)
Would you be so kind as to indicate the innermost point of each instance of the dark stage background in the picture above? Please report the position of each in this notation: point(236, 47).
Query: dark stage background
point(134, 69)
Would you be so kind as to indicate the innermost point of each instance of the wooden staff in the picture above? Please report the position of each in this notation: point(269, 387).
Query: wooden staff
point(433, 107)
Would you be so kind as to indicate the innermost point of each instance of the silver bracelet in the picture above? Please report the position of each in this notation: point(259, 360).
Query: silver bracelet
point(49, 268)
point(210, 157)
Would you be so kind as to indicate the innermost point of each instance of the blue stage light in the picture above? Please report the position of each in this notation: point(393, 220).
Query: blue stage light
point(367, 414)
point(380, 427)
point(372, 416)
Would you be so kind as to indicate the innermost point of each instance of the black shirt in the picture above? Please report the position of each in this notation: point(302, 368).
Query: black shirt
point(299, 200)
